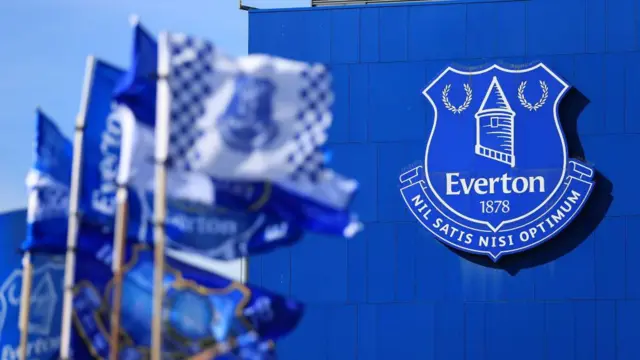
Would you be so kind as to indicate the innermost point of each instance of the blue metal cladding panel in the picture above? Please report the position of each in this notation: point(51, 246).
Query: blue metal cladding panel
point(394, 292)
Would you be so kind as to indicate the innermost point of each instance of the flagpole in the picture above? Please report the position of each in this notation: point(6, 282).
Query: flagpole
point(27, 279)
point(74, 215)
point(119, 239)
point(244, 272)
point(163, 108)
point(120, 234)
point(25, 301)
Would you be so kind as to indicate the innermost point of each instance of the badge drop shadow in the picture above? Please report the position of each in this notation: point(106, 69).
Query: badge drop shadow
point(585, 222)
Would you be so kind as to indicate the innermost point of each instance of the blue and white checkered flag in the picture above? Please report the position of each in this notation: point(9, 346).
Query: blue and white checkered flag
point(265, 116)
point(319, 202)
point(201, 310)
point(256, 117)
point(194, 221)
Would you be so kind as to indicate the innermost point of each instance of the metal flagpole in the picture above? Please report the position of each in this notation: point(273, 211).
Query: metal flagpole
point(119, 238)
point(74, 215)
point(25, 301)
point(163, 117)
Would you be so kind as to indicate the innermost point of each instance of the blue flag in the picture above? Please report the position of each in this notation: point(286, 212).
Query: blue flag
point(202, 310)
point(48, 189)
point(318, 203)
point(46, 294)
point(246, 315)
point(139, 82)
point(101, 145)
point(48, 184)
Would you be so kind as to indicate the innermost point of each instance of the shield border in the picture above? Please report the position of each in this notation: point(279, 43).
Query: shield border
point(556, 104)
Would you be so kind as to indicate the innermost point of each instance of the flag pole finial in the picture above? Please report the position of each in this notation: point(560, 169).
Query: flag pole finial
point(134, 19)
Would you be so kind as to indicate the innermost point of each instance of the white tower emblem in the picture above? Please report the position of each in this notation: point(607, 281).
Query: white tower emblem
point(43, 302)
point(494, 126)
point(43, 306)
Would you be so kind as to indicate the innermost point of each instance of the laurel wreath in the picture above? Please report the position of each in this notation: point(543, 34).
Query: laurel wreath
point(537, 105)
point(465, 104)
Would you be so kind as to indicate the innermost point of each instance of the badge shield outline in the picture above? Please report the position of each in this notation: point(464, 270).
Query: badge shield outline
point(91, 318)
point(557, 208)
point(442, 204)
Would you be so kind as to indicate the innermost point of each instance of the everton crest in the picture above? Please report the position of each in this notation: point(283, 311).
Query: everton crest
point(247, 125)
point(496, 177)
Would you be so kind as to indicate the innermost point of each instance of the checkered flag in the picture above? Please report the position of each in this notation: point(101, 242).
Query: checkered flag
point(252, 118)
point(266, 115)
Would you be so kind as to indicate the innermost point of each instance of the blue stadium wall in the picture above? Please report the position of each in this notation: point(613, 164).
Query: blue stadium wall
point(394, 292)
